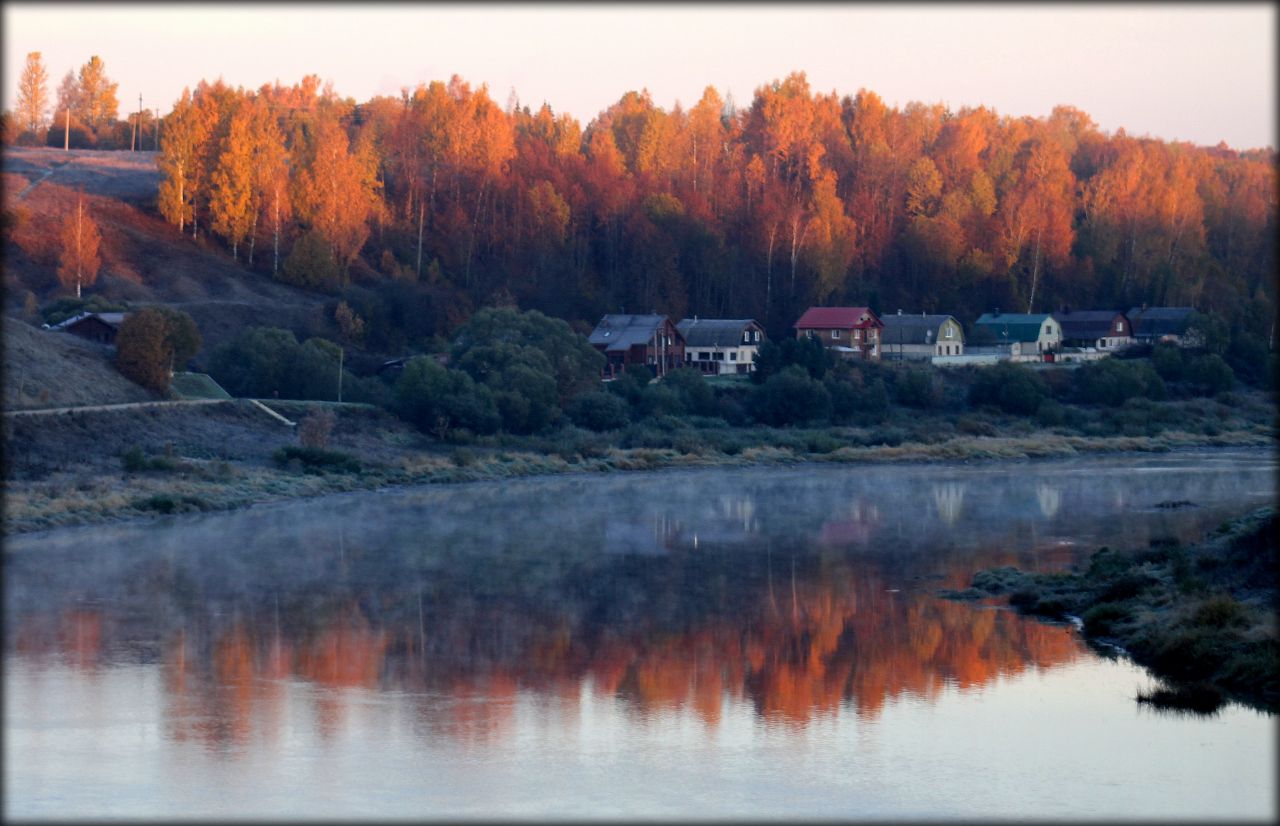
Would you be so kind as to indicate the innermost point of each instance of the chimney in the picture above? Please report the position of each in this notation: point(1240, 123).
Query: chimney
point(899, 312)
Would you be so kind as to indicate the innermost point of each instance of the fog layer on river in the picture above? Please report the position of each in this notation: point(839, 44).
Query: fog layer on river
point(713, 643)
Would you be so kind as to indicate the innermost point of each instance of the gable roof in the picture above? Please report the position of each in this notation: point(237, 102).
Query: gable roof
point(1087, 323)
point(714, 332)
point(837, 318)
point(110, 319)
point(914, 329)
point(1159, 321)
point(1013, 326)
point(622, 332)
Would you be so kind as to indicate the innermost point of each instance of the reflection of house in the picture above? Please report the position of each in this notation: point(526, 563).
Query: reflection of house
point(721, 345)
point(1155, 324)
point(1103, 329)
point(948, 497)
point(1028, 337)
point(99, 327)
point(649, 340)
point(1050, 499)
point(909, 336)
point(853, 332)
point(855, 530)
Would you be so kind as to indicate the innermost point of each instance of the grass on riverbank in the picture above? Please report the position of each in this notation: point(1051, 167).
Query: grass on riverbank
point(1201, 617)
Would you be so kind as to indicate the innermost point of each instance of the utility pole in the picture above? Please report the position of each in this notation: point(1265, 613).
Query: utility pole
point(137, 129)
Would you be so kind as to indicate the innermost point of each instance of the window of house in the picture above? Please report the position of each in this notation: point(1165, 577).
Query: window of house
point(951, 332)
point(836, 334)
point(704, 356)
point(719, 356)
point(733, 356)
point(1119, 326)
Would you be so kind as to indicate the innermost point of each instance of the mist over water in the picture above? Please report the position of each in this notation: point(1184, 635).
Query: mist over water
point(722, 643)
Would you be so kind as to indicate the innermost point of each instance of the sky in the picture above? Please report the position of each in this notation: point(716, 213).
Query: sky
point(1176, 71)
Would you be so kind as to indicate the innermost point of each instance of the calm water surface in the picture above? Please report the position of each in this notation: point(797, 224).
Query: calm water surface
point(718, 643)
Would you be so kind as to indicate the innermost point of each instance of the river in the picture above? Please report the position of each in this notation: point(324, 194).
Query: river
point(743, 643)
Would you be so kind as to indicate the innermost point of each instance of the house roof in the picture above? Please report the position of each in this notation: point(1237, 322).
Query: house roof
point(111, 319)
point(622, 332)
point(914, 329)
point(714, 332)
point(1013, 326)
point(1159, 321)
point(1087, 323)
point(838, 318)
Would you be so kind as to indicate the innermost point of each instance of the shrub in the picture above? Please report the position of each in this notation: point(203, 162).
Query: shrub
point(315, 429)
point(916, 387)
point(1014, 388)
point(315, 460)
point(1167, 360)
point(151, 342)
point(436, 399)
point(1101, 619)
point(791, 397)
point(1112, 382)
point(1210, 375)
point(598, 411)
point(696, 396)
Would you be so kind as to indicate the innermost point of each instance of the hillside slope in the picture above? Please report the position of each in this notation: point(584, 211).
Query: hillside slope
point(43, 368)
point(144, 259)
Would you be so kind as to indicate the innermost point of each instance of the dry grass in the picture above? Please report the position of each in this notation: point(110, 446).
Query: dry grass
point(43, 368)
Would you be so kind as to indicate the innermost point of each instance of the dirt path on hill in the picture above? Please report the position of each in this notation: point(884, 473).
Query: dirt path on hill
point(40, 180)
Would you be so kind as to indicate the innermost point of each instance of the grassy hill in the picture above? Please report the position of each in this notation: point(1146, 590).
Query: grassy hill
point(144, 259)
point(43, 368)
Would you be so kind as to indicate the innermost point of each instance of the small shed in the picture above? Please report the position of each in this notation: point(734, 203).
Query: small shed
point(99, 327)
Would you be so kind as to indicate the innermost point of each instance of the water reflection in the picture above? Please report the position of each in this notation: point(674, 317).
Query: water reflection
point(797, 594)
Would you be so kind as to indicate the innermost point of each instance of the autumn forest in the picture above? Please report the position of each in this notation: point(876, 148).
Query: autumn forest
point(801, 198)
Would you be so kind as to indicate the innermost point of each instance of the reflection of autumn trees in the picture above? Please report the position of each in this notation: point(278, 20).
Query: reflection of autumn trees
point(797, 641)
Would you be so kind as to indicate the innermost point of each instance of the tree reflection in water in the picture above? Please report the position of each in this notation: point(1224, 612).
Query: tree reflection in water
point(660, 594)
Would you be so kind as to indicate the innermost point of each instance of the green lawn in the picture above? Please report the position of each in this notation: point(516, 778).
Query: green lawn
point(197, 386)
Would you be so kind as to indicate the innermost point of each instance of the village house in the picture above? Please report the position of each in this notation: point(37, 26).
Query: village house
point(1024, 336)
point(852, 332)
point(912, 336)
point(649, 340)
point(719, 346)
point(1104, 329)
point(99, 327)
point(1151, 325)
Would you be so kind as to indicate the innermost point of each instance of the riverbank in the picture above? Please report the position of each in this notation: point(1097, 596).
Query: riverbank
point(1202, 617)
point(94, 468)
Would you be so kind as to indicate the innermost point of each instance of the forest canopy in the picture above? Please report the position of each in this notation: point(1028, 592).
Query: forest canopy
point(801, 198)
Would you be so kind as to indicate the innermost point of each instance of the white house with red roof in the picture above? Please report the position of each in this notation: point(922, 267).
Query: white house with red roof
point(853, 332)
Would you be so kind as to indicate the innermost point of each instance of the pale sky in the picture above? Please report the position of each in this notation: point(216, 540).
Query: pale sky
point(1201, 73)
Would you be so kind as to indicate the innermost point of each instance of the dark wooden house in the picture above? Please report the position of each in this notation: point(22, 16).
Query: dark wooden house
point(649, 340)
point(99, 327)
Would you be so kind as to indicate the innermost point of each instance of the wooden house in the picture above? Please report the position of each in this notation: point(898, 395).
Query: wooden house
point(1103, 329)
point(853, 332)
point(1155, 324)
point(649, 340)
point(911, 336)
point(99, 327)
point(1024, 336)
point(718, 346)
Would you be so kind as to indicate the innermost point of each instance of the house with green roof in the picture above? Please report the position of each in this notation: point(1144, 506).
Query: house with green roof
point(1028, 337)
